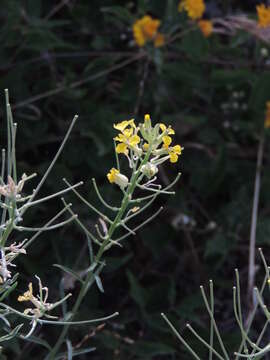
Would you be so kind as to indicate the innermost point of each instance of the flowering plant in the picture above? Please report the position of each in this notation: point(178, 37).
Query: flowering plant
point(14, 206)
point(145, 147)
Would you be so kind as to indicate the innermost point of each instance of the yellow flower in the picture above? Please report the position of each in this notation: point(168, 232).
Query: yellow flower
point(159, 40)
point(147, 125)
point(163, 128)
point(174, 152)
point(145, 146)
point(206, 27)
point(114, 176)
point(127, 140)
point(122, 149)
point(166, 141)
point(122, 125)
point(267, 116)
point(150, 26)
point(146, 29)
point(138, 35)
point(194, 8)
point(147, 118)
point(28, 295)
point(263, 15)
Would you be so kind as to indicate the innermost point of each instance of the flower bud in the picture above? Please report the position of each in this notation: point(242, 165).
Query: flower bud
point(149, 170)
point(114, 176)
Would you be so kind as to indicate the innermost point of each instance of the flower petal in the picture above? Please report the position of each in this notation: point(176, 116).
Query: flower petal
point(112, 175)
point(177, 149)
point(134, 140)
point(122, 149)
point(162, 127)
point(171, 131)
point(122, 125)
point(173, 157)
point(166, 141)
point(128, 132)
point(120, 138)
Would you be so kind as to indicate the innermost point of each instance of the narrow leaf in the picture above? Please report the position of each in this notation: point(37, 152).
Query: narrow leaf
point(69, 271)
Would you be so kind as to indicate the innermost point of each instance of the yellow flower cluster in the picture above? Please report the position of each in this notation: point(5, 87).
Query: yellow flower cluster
point(194, 8)
point(146, 29)
point(128, 137)
point(145, 140)
point(267, 116)
point(173, 151)
point(263, 15)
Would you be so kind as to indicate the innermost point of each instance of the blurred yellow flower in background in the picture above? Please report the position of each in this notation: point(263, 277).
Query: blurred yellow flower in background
point(194, 8)
point(159, 40)
point(206, 27)
point(146, 29)
point(263, 15)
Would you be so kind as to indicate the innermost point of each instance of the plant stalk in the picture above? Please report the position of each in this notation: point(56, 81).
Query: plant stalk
point(125, 202)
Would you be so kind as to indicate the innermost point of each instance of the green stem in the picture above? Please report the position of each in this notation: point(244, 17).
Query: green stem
point(125, 202)
point(211, 321)
point(180, 337)
point(10, 226)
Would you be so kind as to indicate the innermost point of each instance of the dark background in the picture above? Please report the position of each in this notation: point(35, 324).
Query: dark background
point(61, 58)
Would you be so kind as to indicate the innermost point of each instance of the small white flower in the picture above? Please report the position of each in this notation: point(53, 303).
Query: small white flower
point(12, 190)
point(264, 52)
